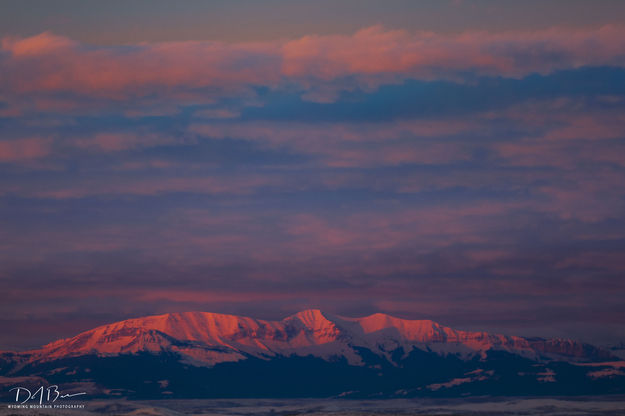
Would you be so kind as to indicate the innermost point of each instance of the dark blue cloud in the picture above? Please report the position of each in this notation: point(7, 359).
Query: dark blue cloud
point(423, 99)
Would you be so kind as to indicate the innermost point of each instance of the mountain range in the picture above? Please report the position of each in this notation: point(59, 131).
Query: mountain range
point(310, 354)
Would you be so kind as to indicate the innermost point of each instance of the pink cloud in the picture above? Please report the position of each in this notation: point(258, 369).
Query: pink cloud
point(368, 234)
point(590, 127)
point(112, 142)
point(204, 297)
point(283, 133)
point(48, 63)
point(595, 260)
point(153, 186)
point(51, 63)
point(24, 149)
point(539, 152)
point(354, 144)
point(44, 43)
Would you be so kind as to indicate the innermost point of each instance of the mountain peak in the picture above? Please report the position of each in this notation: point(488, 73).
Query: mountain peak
point(209, 338)
point(317, 328)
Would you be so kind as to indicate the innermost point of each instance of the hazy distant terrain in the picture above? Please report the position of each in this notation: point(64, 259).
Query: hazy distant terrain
point(312, 407)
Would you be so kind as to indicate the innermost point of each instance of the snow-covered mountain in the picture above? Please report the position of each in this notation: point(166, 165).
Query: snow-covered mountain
point(206, 339)
point(314, 353)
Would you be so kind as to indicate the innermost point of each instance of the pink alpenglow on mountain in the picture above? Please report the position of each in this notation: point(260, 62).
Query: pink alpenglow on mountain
point(206, 339)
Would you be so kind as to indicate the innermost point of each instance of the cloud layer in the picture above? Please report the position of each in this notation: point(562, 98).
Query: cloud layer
point(470, 178)
point(192, 70)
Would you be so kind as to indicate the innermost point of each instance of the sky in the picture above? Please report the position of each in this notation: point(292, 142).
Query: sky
point(461, 161)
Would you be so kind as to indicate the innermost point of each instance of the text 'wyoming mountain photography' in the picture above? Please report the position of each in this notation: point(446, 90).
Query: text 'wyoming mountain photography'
point(347, 207)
